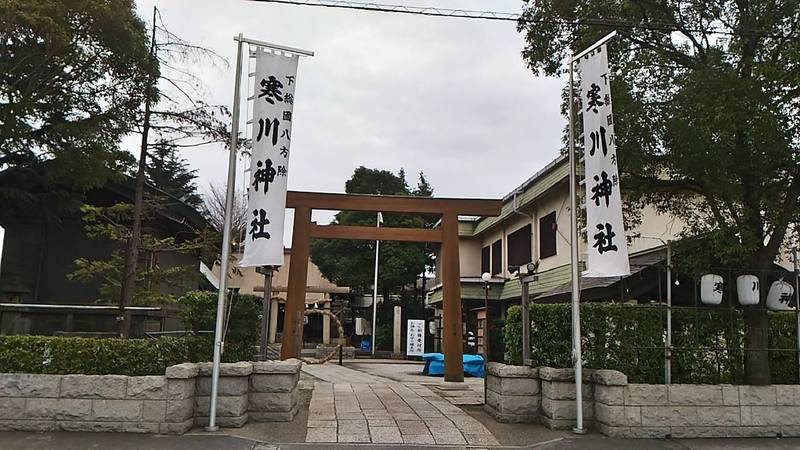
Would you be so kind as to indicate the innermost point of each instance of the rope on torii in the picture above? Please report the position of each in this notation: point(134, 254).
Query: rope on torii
point(335, 350)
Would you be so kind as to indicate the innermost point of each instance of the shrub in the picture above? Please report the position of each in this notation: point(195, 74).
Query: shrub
point(384, 337)
point(67, 355)
point(200, 311)
point(708, 343)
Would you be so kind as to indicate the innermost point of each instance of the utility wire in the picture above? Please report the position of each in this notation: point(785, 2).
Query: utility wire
point(517, 18)
point(423, 11)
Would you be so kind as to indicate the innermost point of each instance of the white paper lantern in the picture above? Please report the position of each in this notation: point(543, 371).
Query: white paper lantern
point(711, 287)
point(779, 295)
point(748, 289)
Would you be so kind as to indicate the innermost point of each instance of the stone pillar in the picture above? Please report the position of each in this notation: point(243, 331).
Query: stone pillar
point(326, 325)
point(558, 398)
point(273, 393)
point(232, 398)
point(398, 323)
point(273, 321)
point(512, 393)
point(181, 391)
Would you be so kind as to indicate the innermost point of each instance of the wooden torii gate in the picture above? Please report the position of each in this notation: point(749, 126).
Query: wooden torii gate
point(304, 203)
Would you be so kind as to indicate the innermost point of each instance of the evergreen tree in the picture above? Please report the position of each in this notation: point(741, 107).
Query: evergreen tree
point(343, 261)
point(423, 188)
point(169, 172)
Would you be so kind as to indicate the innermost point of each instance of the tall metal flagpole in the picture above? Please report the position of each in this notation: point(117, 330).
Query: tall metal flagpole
point(573, 199)
point(226, 242)
point(668, 355)
point(379, 219)
point(576, 293)
point(266, 310)
point(797, 303)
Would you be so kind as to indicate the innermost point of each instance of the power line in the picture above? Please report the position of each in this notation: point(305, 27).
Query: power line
point(417, 10)
point(514, 17)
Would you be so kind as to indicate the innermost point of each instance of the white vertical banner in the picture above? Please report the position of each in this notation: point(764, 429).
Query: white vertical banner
point(607, 247)
point(415, 337)
point(273, 101)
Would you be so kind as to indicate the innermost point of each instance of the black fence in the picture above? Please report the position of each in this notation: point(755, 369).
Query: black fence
point(704, 344)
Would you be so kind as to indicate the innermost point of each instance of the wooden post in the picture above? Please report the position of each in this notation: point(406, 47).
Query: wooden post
point(298, 275)
point(451, 293)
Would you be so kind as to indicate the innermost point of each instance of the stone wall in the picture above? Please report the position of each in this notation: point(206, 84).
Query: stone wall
point(169, 404)
point(323, 351)
point(684, 410)
point(619, 409)
point(558, 398)
point(147, 404)
point(512, 393)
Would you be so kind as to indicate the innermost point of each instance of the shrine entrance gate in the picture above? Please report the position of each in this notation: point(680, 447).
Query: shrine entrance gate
point(449, 209)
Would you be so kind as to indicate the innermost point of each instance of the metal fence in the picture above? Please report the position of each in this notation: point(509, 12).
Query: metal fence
point(715, 335)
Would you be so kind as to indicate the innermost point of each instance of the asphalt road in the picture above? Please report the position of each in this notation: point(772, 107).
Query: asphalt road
point(122, 441)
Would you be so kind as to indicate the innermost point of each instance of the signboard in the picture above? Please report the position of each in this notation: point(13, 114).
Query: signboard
point(415, 337)
point(273, 101)
point(607, 247)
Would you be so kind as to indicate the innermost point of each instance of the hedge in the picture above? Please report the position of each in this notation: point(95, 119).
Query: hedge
point(73, 355)
point(91, 356)
point(630, 338)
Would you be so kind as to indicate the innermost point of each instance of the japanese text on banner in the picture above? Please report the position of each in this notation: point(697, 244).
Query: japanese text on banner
point(607, 247)
point(273, 101)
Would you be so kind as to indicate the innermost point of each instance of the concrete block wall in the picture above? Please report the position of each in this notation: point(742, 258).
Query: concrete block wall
point(683, 410)
point(619, 409)
point(147, 404)
point(169, 404)
point(512, 393)
point(558, 398)
point(232, 401)
point(273, 391)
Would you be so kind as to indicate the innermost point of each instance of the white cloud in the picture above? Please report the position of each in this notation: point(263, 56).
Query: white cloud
point(450, 97)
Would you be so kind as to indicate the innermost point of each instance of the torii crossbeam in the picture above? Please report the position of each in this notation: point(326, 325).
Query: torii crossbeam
point(449, 209)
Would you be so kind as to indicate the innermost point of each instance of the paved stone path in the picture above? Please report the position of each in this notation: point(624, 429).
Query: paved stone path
point(370, 409)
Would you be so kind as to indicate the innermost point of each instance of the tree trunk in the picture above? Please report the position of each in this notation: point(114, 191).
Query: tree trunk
point(756, 341)
point(132, 246)
point(756, 357)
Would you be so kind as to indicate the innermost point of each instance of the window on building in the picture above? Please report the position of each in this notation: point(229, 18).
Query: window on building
point(519, 247)
point(497, 257)
point(485, 260)
point(547, 235)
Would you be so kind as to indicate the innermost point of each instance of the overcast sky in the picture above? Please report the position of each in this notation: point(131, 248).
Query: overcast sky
point(446, 96)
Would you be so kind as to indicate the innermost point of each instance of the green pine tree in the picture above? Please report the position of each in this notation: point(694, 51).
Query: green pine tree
point(169, 172)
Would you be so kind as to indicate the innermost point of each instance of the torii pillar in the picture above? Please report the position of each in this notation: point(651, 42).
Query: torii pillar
point(451, 301)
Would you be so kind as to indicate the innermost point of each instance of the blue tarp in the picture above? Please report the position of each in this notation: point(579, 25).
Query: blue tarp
point(434, 364)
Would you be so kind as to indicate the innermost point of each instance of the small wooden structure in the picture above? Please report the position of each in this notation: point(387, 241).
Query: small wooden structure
point(304, 203)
